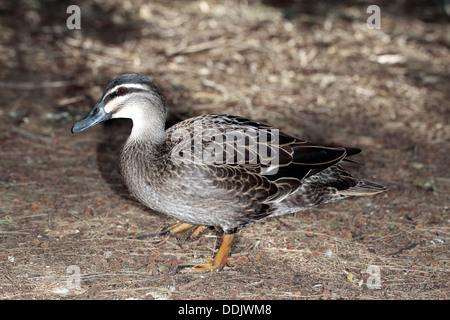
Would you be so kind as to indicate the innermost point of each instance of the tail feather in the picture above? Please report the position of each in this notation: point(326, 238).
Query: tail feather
point(350, 152)
point(363, 188)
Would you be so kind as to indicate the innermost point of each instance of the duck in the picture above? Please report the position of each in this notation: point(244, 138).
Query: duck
point(219, 170)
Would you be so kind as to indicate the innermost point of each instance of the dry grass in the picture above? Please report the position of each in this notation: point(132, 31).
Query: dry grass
point(315, 71)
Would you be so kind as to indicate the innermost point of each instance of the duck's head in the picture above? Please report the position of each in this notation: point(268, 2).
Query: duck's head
point(130, 96)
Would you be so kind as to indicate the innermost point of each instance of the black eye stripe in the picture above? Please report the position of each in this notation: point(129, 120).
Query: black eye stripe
point(115, 93)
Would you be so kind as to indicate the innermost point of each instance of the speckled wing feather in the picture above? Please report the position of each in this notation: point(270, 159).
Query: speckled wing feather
point(257, 150)
point(252, 144)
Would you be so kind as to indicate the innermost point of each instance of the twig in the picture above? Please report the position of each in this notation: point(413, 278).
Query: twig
point(30, 135)
point(408, 247)
point(32, 86)
point(190, 284)
point(8, 276)
point(286, 224)
point(195, 48)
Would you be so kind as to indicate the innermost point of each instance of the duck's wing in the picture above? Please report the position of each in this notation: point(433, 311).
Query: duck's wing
point(248, 167)
point(251, 146)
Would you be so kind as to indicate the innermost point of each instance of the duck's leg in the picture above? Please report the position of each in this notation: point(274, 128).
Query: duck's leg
point(219, 261)
point(198, 231)
point(178, 227)
point(181, 226)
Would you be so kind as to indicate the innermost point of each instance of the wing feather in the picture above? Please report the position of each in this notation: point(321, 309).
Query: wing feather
point(253, 149)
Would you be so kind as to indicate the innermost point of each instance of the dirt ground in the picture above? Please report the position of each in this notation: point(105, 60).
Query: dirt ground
point(70, 230)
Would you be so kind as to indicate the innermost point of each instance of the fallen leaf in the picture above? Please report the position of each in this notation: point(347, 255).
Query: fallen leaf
point(244, 260)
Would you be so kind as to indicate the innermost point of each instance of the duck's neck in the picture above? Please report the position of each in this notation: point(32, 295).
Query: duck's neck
point(148, 134)
point(148, 128)
point(142, 157)
point(143, 151)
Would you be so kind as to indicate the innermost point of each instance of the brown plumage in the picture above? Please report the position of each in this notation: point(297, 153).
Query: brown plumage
point(219, 170)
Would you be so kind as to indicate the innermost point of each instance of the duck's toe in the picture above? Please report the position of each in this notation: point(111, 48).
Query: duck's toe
point(212, 264)
point(198, 266)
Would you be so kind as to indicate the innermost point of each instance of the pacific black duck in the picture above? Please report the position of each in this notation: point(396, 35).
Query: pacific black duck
point(219, 170)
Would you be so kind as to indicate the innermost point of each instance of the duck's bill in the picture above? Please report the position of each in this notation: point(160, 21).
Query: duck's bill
point(97, 115)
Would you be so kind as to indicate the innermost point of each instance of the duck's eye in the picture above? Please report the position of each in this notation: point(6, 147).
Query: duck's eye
point(121, 91)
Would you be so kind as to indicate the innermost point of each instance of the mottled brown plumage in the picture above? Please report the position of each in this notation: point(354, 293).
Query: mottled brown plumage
point(219, 170)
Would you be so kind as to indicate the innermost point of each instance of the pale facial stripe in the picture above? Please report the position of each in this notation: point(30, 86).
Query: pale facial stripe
point(128, 85)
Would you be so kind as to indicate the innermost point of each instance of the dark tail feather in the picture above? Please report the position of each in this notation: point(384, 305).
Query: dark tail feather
point(351, 152)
